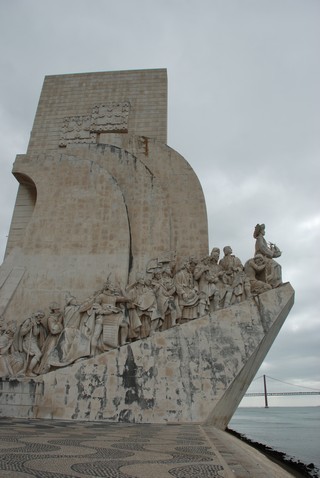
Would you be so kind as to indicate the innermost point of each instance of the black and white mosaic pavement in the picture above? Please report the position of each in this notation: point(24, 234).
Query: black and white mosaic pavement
point(56, 449)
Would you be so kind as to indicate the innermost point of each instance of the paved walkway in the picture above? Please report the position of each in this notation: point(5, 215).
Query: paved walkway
point(56, 449)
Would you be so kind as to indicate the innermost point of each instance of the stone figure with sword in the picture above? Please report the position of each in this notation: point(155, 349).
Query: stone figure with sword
point(32, 335)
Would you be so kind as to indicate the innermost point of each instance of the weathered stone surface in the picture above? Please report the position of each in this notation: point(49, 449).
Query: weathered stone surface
point(84, 98)
point(197, 372)
point(109, 233)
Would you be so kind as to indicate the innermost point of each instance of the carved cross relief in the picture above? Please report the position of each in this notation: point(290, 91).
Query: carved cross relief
point(105, 118)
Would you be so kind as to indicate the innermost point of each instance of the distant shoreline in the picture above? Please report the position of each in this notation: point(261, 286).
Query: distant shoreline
point(297, 468)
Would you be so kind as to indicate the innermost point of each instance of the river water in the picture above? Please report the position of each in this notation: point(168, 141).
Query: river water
point(292, 430)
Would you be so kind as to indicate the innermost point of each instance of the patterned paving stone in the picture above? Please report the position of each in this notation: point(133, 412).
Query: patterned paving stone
point(31, 448)
point(62, 449)
point(196, 471)
point(103, 469)
point(129, 446)
point(56, 449)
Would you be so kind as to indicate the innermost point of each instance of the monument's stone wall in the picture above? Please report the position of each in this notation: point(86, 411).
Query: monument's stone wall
point(183, 226)
point(82, 107)
point(69, 242)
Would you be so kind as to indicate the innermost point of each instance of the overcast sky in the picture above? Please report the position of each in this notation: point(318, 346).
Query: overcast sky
point(243, 110)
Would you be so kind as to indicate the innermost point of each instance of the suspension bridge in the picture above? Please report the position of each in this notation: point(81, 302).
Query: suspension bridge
point(266, 393)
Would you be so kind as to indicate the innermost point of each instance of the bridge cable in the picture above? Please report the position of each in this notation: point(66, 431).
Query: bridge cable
point(292, 384)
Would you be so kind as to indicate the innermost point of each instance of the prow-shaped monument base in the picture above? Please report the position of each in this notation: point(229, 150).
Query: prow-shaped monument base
point(195, 372)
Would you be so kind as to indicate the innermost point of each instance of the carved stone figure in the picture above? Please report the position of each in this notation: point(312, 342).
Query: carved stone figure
point(55, 327)
point(74, 341)
point(221, 279)
point(230, 263)
point(187, 291)
point(111, 320)
point(95, 316)
point(143, 306)
point(272, 273)
point(165, 291)
point(32, 335)
point(253, 269)
point(235, 276)
point(7, 351)
point(208, 290)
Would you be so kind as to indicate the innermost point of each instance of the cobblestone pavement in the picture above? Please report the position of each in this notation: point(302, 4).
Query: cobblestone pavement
point(53, 449)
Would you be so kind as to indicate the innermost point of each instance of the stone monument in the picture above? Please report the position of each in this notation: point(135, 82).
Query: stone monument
point(112, 307)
